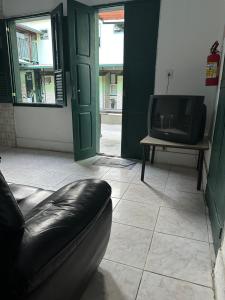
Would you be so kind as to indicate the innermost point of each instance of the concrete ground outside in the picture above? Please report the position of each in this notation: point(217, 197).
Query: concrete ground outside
point(110, 141)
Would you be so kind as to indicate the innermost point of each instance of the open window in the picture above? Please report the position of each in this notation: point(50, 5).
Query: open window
point(37, 60)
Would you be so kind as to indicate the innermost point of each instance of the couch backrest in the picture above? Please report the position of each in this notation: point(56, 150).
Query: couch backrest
point(11, 219)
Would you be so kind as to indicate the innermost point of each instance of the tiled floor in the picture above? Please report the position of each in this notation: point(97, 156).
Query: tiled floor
point(160, 246)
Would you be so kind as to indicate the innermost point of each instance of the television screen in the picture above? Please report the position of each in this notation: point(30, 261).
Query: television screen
point(172, 116)
point(177, 118)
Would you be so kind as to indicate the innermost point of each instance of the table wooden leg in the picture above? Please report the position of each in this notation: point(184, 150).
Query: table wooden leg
point(153, 155)
point(146, 150)
point(200, 168)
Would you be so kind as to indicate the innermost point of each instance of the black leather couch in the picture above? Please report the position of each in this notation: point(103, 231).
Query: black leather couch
point(52, 242)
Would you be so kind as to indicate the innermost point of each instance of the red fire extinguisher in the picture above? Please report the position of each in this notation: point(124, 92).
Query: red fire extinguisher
point(213, 66)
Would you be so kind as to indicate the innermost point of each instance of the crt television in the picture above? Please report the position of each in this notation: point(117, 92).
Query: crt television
point(177, 118)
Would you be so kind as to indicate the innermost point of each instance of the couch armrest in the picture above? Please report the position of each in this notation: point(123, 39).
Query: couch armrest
point(55, 223)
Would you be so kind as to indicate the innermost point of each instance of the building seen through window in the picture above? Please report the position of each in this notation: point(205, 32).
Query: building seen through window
point(35, 58)
point(111, 30)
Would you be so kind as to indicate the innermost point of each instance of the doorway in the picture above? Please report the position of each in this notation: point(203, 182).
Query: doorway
point(137, 68)
point(111, 56)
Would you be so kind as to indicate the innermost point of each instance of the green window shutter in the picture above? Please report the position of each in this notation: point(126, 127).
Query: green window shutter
point(58, 54)
point(5, 79)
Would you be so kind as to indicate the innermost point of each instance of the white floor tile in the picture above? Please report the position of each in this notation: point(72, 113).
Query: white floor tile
point(118, 174)
point(137, 214)
point(155, 175)
point(113, 281)
point(180, 258)
point(175, 253)
point(213, 255)
point(128, 245)
point(115, 201)
point(184, 200)
point(144, 194)
point(118, 188)
point(36, 177)
point(209, 229)
point(184, 223)
point(158, 287)
point(182, 179)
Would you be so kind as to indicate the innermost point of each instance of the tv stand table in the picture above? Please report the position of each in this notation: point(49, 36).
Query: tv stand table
point(149, 142)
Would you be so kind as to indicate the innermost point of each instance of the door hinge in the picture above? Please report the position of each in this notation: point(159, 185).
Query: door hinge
point(7, 28)
point(14, 94)
point(221, 233)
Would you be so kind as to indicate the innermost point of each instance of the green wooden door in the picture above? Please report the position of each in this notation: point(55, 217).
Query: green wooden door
point(82, 32)
point(140, 46)
point(215, 191)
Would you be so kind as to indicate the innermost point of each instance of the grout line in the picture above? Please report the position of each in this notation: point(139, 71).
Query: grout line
point(123, 264)
point(147, 256)
point(121, 223)
point(175, 278)
point(156, 273)
point(155, 231)
point(183, 237)
point(141, 203)
point(116, 222)
point(169, 171)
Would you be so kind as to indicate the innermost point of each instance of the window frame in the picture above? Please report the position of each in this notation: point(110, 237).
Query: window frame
point(12, 73)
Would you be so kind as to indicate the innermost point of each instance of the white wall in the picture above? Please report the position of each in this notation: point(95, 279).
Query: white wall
point(44, 127)
point(25, 7)
point(187, 29)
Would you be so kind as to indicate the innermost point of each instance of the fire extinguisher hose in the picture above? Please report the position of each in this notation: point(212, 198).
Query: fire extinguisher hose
point(214, 47)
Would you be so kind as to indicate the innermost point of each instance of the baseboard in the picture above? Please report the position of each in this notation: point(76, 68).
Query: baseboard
point(45, 144)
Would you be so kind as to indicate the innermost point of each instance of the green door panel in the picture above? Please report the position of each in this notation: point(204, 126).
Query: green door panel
point(215, 190)
point(213, 214)
point(85, 127)
point(220, 185)
point(140, 46)
point(217, 141)
point(84, 84)
point(82, 29)
point(82, 43)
